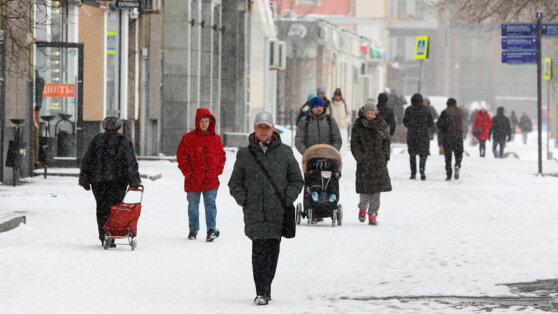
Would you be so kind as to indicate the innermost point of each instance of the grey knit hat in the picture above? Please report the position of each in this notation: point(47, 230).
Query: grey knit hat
point(112, 123)
point(320, 90)
point(369, 105)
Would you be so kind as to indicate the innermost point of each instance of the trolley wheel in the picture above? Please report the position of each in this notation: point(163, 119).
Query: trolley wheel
point(134, 244)
point(309, 215)
point(334, 218)
point(339, 215)
point(298, 213)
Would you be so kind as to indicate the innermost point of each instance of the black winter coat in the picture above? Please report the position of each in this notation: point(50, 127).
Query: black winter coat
point(418, 121)
point(110, 157)
point(387, 114)
point(370, 145)
point(501, 128)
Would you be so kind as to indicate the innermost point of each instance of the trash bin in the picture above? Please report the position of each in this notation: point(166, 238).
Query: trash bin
point(46, 149)
point(16, 151)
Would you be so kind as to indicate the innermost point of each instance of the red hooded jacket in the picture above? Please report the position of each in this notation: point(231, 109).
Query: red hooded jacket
point(483, 121)
point(201, 157)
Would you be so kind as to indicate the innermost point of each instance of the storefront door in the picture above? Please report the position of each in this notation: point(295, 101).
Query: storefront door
point(59, 94)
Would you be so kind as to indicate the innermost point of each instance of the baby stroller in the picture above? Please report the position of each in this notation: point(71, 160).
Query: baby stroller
point(321, 165)
point(122, 222)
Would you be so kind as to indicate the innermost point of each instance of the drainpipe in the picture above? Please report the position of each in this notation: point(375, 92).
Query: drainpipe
point(352, 8)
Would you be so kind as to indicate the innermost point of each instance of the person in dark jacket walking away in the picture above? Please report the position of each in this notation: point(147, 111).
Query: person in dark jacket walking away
point(384, 111)
point(108, 167)
point(370, 145)
point(483, 122)
point(450, 124)
point(526, 126)
point(500, 132)
point(418, 121)
point(201, 159)
point(397, 103)
point(317, 127)
point(263, 211)
point(514, 123)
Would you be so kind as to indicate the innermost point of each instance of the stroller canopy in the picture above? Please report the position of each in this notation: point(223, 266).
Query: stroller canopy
point(321, 151)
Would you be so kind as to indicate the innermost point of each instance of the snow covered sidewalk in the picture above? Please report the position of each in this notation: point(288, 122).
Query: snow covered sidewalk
point(497, 224)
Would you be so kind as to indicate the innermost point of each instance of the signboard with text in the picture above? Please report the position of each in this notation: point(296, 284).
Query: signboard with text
point(518, 57)
point(59, 90)
point(128, 3)
point(519, 43)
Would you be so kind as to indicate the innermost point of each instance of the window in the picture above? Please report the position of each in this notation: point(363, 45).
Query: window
point(150, 5)
point(309, 2)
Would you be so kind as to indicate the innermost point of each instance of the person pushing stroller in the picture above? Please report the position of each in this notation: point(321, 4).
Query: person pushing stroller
point(318, 127)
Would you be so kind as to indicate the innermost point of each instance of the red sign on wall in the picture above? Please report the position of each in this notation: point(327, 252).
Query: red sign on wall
point(59, 90)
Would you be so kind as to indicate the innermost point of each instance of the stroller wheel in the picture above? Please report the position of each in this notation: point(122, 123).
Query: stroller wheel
point(134, 243)
point(339, 215)
point(334, 218)
point(309, 215)
point(298, 213)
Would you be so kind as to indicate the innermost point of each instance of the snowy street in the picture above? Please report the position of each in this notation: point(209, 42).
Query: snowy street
point(495, 225)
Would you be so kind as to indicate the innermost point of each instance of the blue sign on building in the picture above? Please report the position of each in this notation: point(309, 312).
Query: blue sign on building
point(519, 43)
point(550, 30)
point(515, 57)
point(525, 29)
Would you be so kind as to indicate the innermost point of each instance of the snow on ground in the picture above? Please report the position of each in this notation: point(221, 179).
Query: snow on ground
point(497, 224)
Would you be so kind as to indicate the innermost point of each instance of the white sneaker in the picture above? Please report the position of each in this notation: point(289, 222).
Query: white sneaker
point(261, 300)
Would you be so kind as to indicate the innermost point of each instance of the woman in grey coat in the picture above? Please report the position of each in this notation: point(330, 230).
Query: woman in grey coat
point(317, 127)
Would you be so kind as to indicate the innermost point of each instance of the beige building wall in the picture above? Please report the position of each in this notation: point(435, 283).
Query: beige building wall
point(92, 35)
point(371, 8)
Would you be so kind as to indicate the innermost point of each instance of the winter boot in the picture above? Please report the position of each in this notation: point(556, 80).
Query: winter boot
point(413, 176)
point(448, 177)
point(456, 175)
point(212, 235)
point(422, 175)
point(261, 300)
point(192, 235)
point(362, 215)
point(372, 218)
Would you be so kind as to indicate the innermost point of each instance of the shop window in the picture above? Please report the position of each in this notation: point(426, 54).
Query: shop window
point(151, 6)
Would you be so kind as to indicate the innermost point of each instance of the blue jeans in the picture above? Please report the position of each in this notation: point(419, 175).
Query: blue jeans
point(194, 212)
point(495, 148)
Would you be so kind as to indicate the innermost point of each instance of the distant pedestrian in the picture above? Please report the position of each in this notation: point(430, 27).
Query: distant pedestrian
point(321, 92)
point(500, 132)
point(418, 121)
point(253, 191)
point(108, 168)
point(450, 124)
point(514, 123)
point(482, 124)
point(340, 110)
point(370, 146)
point(397, 103)
point(201, 159)
point(526, 126)
point(384, 111)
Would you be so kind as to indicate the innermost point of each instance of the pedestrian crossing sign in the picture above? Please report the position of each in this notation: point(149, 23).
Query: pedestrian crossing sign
point(547, 69)
point(421, 47)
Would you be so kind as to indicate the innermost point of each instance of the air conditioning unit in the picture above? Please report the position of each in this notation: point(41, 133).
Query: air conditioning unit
point(287, 14)
point(273, 54)
point(150, 6)
point(282, 56)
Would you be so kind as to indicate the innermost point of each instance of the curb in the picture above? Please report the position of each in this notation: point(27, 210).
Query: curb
point(12, 223)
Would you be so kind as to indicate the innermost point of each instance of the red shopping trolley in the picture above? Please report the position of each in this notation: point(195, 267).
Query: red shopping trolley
point(122, 222)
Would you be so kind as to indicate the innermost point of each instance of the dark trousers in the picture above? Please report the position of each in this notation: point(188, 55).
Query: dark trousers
point(482, 148)
point(265, 254)
point(422, 163)
point(106, 195)
point(495, 144)
point(458, 157)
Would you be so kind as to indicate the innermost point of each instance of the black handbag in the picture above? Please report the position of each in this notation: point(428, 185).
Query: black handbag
point(288, 229)
point(477, 132)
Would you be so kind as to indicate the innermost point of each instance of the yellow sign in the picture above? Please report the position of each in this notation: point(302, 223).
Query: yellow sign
point(421, 47)
point(547, 69)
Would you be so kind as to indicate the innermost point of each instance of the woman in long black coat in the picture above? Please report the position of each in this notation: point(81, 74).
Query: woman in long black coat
point(370, 145)
point(418, 121)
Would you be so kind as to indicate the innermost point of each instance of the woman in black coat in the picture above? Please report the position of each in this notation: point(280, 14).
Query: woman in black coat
point(418, 121)
point(370, 145)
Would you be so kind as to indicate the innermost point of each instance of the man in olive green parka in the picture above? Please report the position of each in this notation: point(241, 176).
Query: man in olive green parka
point(263, 211)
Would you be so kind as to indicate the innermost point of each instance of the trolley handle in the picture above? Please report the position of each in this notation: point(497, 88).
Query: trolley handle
point(139, 188)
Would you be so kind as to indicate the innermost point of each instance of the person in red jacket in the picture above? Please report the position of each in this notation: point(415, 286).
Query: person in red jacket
point(483, 122)
point(201, 159)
